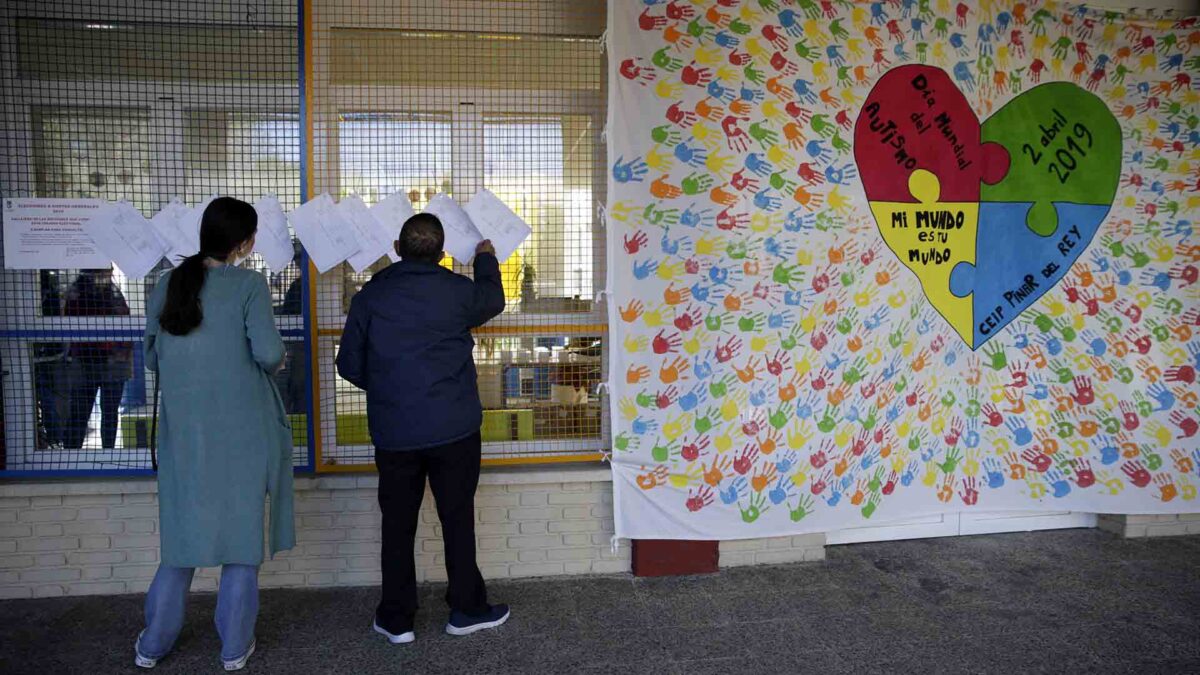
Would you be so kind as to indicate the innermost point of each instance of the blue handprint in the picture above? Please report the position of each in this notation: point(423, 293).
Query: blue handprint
point(701, 368)
point(691, 400)
point(1109, 453)
point(797, 220)
point(759, 166)
point(780, 320)
point(995, 473)
point(1021, 433)
point(737, 487)
point(693, 218)
point(644, 268)
point(633, 171)
point(910, 473)
point(692, 156)
point(783, 490)
point(1058, 483)
point(803, 89)
point(817, 150)
point(750, 95)
point(1162, 395)
point(962, 73)
point(727, 41)
point(721, 92)
point(806, 408)
point(758, 398)
point(794, 298)
point(767, 200)
point(842, 175)
point(786, 461)
point(641, 427)
point(781, 249)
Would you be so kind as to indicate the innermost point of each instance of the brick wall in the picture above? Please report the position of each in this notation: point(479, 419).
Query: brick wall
point(101, 537)
point(1166, 525)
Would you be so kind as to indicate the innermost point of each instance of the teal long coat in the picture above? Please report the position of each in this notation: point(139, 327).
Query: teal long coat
point(224, 443)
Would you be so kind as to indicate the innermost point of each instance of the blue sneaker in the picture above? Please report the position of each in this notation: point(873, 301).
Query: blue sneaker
point(464, 624)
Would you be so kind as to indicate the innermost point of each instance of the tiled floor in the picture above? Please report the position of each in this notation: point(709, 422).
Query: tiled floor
point(1066, 601)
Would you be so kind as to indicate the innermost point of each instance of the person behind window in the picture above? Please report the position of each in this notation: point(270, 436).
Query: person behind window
point(224, 439)
point(408, 343)
point(100, 366)
point(293, 379)
point(50, 372)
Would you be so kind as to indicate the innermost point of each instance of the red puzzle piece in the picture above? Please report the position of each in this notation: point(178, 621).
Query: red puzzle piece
point(916, 118)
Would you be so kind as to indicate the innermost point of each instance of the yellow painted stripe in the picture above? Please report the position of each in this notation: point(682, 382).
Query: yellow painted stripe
point(486, 331)
point(489, 461)
point(314, 368)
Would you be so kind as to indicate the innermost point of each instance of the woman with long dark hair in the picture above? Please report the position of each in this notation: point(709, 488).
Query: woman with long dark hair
point(224, 440)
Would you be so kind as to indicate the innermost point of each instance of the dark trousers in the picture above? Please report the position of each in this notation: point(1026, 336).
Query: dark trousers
point(453, 472)
point(94, 376)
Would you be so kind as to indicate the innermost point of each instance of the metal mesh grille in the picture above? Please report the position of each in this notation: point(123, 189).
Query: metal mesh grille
point(146, 102)
point(429, 97)
point(141, 102)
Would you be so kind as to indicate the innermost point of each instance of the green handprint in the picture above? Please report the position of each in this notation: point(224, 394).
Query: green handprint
point(972, 409)
point(739, 27)
point(949, 398)
point(662, 453)
point(995, 352)
point(644, 400)
point(779, 418)
point(697, 29)
point(758, 505)
point(901, 384)
point(915, 439)
point(869, 508)
point(718, 388)
point(787, 274)
point(840, 144)
point(847, 279)
point(802, 508)
point(705, 424)
point(621, 442)
point(870, 420)
point(663, 59)
point(1125, 375)
point(751, 323)
point(780, 181)
point(877, 480)
point(836, 30)
point(665, 134)
point(804, 51)
point(953, 457)
point(713, 322)
point(737, 250)
point(1043, 323)
point(843, 325)
point(854, 374)
point(763, 134)
point(897, 337)
point(753, 75)
point(820, 123)
point(696, 183)
point(829, 421)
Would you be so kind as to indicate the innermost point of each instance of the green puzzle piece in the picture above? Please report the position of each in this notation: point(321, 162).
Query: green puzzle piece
point(1064, 146)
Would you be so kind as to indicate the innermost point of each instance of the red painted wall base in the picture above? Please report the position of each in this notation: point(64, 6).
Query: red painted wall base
point(673, 557)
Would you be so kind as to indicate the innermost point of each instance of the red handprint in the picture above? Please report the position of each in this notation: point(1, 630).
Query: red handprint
point(1137, 473)
point(745, 460)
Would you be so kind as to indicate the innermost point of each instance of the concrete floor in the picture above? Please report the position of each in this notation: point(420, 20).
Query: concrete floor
point(1066, 601)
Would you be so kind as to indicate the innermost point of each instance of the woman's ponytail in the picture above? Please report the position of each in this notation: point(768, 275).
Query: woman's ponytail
point(182, 312)
point(227, 224)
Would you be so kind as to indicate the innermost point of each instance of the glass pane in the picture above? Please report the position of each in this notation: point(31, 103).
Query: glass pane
point(248, 156)
point(96, 153)
point(541, 166)
point(83, 390)
point(383, 153)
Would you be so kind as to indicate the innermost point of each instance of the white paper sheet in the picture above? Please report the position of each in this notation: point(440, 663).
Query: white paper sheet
point(326, 235)
point(48, 234)
point(497, 222)
point(126, 237)
point(373, 237)
point(393, 211)
point(273, 241)
point(166, 225)
point(461, 234)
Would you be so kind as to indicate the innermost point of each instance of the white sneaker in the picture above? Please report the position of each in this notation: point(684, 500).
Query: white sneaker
point(395, 639)
point(240, 662)
point(139, 660)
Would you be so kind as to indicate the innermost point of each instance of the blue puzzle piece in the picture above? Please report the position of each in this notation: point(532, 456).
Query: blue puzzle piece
point(1014, 266)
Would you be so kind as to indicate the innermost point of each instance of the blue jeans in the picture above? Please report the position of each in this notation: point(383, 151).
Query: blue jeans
point(237, 609)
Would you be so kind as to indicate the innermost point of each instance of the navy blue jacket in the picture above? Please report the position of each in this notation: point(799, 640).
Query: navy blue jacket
point(408, 343)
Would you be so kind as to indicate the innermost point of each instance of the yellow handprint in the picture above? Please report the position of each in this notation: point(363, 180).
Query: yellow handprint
point(635, 343)
point(659, 161)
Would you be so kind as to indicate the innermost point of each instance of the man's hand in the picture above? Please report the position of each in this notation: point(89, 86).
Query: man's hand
point(485, 246)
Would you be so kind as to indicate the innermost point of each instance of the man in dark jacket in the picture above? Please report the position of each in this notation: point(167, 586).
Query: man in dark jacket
point(408, 343)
